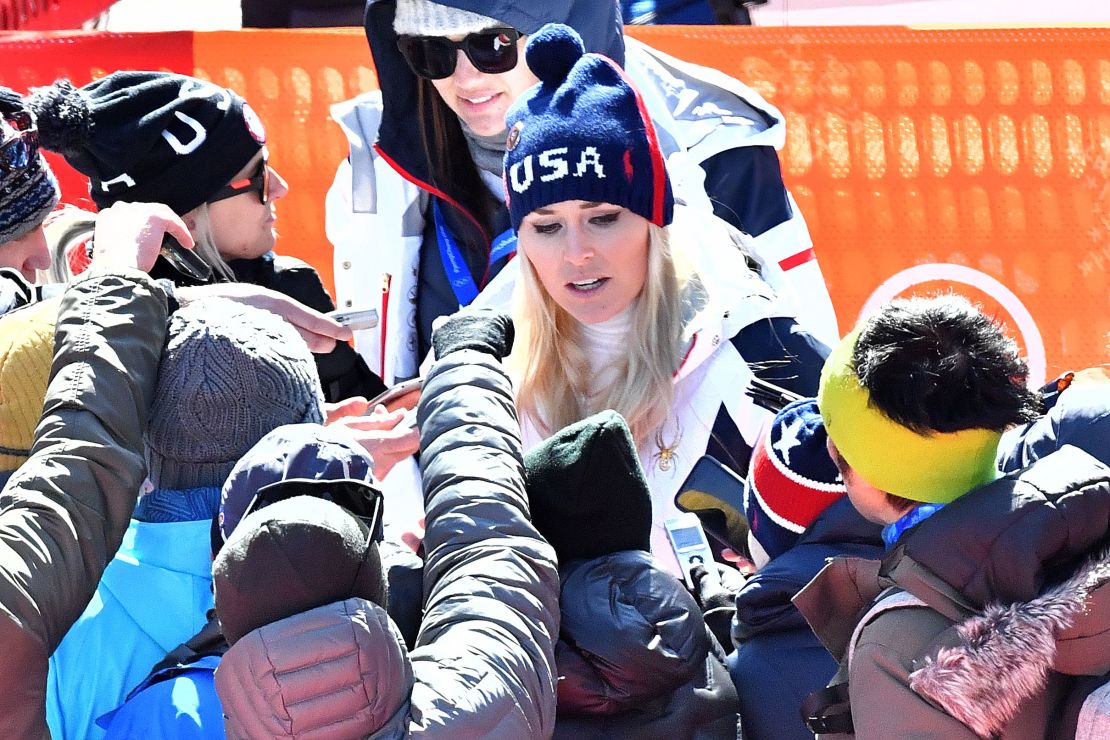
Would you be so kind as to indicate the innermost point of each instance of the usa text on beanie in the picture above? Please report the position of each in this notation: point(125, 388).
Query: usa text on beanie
point(583, 133)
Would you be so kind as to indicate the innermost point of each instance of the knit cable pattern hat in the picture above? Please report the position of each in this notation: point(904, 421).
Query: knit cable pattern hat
point(26, 351)
point(425, 18)
point(583, 133)
point(27, 193)
point(230, 373)
point(792, 479)
point(149, 137)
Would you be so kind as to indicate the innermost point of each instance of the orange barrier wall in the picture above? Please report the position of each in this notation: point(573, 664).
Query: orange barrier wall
point(970, 159)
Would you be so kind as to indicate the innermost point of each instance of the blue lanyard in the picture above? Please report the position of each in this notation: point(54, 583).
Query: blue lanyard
point(458, 274)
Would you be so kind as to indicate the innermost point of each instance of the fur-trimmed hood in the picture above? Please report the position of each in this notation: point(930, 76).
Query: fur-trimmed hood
point(1004, 653)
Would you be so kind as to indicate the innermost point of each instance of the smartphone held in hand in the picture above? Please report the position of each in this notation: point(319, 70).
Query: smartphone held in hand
point(691, 548)
point(393, 393)
point(356, 320)
point(186, 261)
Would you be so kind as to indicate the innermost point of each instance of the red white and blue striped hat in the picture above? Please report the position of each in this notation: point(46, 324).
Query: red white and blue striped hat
point(792, 479)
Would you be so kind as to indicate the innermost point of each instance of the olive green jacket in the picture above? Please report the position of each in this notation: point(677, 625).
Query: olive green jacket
point(64, 512)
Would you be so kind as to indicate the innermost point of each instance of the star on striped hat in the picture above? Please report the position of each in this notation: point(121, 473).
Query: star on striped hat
point(792, 479)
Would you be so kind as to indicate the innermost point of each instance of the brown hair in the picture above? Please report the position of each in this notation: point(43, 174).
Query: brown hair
point(451, 168)
point(899, 504)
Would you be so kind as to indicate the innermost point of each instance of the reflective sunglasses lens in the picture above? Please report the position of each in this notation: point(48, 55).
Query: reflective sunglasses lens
point(492, 52)
point(429, 57)
point(21, 120)
point(16, 154)
point(265, 192)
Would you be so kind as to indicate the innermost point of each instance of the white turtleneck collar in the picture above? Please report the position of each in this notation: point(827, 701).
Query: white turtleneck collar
point(606, 347)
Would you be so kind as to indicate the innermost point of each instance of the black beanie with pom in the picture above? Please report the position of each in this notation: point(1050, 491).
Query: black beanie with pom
point(150, 137)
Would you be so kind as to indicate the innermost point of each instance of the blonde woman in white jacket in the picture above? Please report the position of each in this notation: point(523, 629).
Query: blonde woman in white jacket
point(624, 300)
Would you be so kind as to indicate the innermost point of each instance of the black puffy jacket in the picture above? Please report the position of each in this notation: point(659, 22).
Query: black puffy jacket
point(635, 658)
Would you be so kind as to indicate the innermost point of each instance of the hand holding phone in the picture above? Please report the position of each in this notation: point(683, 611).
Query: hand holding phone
point(716, 494)
point(132, 234)
point(395, 393)
point(356, 320)
point(691, 548)
point(185, 261)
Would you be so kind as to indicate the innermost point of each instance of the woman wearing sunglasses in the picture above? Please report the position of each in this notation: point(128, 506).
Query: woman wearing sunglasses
point(200, 149)
point(416, 213)
point(626, 301)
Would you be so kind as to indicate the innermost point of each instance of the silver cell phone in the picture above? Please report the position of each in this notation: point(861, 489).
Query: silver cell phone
point(394, 392)
point(690, 545)
point(356, 320)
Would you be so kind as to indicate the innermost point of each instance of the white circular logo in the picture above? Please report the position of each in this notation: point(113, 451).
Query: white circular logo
point(254, 123)
point(893, 286)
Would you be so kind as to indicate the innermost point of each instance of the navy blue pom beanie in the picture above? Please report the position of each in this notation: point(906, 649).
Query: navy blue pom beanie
point(582, 133)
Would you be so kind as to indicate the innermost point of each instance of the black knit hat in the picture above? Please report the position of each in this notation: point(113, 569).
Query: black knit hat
point(149, 137)
point(290, 557)
point(587, 490)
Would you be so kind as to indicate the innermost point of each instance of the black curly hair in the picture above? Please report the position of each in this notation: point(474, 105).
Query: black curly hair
point(940, 364)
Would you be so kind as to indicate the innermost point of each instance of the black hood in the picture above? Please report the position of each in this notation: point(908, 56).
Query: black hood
point(764, 603)
point(1009, 539)
point(597, 21)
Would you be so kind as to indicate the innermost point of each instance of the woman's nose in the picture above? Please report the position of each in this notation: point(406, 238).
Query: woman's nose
point(579, 248)
point(279, 188)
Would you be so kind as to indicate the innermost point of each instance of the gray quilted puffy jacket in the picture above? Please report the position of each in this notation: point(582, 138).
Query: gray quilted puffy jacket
point(484, 664)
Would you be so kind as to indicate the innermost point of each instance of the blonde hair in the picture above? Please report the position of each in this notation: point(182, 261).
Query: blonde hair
point(554, 382)
point(205, 240)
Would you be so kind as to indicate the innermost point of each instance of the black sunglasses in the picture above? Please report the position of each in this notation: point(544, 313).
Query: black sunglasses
point(492, 51)
point(258, 182)
point(18, 151)
point(358, 497)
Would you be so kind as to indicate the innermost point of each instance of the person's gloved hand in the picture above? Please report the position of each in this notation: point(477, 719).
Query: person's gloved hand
point(485, 330)
point(717, 599)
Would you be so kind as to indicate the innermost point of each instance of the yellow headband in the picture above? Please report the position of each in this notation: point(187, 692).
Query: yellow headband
point(934, 468)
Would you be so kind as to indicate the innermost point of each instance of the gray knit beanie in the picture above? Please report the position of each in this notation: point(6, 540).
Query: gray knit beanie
point(230, 374)
point(425, 18)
